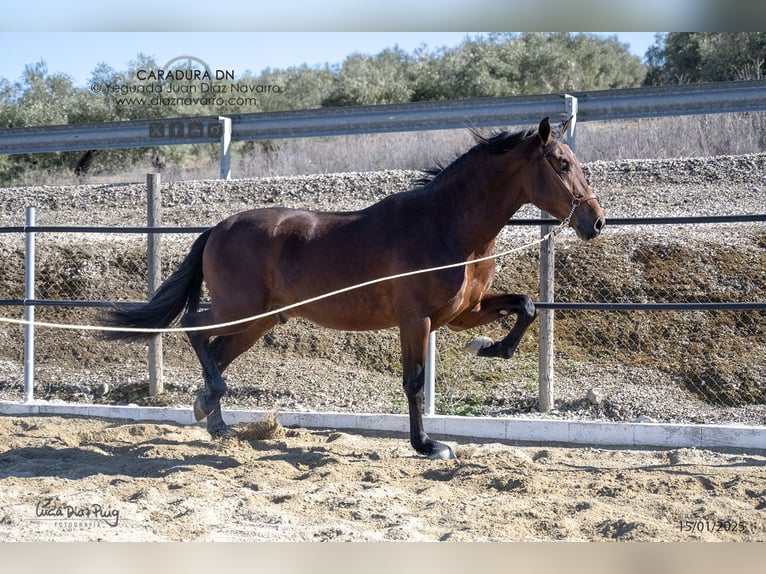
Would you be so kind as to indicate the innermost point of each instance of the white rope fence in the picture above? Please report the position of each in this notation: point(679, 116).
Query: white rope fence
point(76, 327)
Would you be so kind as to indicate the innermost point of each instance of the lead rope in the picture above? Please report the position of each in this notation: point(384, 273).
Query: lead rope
point(74, 327)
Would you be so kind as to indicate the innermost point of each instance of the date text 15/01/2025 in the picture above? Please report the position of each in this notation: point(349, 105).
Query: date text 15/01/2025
point(692, 526)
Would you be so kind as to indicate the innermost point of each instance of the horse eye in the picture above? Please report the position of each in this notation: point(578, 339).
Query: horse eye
point(564, 165)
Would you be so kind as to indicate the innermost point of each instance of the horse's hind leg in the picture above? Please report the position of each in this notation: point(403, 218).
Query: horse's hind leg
point(207, 404)
point(215, 356)
point(228, 347)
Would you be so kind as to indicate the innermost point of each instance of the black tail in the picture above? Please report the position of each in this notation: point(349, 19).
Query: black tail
point(182, 289)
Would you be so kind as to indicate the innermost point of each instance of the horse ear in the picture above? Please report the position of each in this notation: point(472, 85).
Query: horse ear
point(544, 131)
point(565, 125)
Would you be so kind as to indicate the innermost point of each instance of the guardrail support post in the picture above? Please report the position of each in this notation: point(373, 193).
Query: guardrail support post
point(154, 276)
point(225, 147)
point(29, 310)
point(570, 106)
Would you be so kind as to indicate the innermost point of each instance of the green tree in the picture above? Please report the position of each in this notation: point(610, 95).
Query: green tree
point(478, 67)
point(380, 79)
point(505, 64)
point(691, 57)
point(296, 88)
point(7, 104)
point(39, 99)
point(42, 99)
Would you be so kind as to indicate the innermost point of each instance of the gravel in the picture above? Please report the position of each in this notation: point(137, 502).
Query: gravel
point(722, 185)
point(305, 368)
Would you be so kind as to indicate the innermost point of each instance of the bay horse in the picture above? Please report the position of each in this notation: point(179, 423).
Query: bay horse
point(266, 259)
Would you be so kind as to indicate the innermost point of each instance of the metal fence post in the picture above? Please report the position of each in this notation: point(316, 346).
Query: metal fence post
point(225, 147)
point(546, 395)
point(545, 349)
point(154, 275)
point(29, 310)
point(430, 383)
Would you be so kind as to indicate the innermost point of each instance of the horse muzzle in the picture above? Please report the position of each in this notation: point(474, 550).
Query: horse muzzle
point(588, 222)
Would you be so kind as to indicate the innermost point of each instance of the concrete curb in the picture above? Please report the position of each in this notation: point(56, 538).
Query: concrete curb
point(512, 429)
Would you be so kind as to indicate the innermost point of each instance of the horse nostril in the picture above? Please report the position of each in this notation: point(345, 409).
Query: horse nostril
point(599, 225)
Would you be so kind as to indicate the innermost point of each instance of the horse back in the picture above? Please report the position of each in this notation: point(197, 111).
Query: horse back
point(279, 256)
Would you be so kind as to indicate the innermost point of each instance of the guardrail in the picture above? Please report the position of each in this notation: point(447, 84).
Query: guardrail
point(626, 103)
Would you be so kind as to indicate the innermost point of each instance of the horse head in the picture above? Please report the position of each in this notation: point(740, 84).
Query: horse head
point(556, 183)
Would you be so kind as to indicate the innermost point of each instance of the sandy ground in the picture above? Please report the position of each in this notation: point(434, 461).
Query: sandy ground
point(73, 479)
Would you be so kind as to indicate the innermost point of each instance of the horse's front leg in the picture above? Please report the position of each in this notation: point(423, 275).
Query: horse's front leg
point(490, 309)
point(413, 334)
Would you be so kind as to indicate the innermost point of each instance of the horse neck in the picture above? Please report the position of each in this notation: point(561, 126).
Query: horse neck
point(481, 196)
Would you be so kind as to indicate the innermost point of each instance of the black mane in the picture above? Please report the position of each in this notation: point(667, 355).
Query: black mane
point(495, 143)
point(500, 142)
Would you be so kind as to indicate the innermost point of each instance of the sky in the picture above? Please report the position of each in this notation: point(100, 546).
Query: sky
point(78, 53)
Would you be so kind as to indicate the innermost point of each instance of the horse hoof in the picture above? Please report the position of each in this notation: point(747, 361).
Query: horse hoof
point(442, 452)
point(199, 411)
point(224, 431)
point(479, 343)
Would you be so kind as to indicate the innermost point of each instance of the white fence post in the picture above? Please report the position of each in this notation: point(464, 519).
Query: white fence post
point(430, 384)
point(570, 106)
point(154, 275)
point(29, 310)
point(546, 395)
point(225, 147)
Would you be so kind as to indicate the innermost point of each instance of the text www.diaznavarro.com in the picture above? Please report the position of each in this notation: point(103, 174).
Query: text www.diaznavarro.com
point(187, 101)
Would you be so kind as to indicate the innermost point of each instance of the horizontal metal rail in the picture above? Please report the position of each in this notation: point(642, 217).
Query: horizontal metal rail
point(721, 97)
point(559, 305)
point(616, 221)
point(581, 306)
point(722, 306)
point(99, 229)
point(680, 220)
